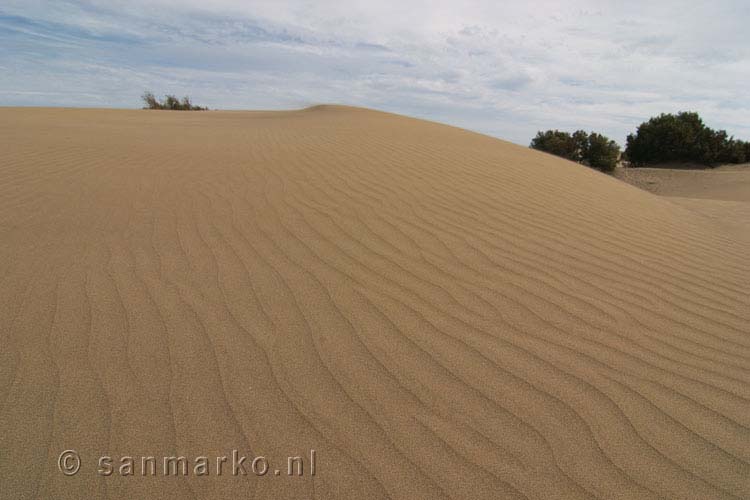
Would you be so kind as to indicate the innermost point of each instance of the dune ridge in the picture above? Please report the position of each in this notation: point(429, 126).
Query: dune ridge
point(439, 314)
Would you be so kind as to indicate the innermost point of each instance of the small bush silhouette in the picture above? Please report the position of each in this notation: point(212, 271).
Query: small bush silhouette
point(683, 137)
point(593, 150)
point(601, 152)
point(170, 102)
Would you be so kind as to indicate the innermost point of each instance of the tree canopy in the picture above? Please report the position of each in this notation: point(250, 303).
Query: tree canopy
point(683, 137)
point(591, 149)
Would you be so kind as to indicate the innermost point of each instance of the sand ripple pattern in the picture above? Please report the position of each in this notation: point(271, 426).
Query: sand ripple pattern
point(437, 313)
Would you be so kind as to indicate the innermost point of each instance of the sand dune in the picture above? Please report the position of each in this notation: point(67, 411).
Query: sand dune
point(727, 182)
point(435, 312)
point(722, 194)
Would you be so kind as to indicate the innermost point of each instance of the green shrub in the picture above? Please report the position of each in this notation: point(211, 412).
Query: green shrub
point(170, 102)
point(564, 144)
point(735, 152)
point(601, 153)
point(593, 150)
point(150, 100)
point(682, 137)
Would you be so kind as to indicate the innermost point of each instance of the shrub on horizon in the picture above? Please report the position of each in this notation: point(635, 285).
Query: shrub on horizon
point(601, 152)
point(593, 150)
point(170, 102)
point(684, 138)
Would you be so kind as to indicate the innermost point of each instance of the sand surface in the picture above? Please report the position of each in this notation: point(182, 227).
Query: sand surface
point(722, 194)
point(437, 313)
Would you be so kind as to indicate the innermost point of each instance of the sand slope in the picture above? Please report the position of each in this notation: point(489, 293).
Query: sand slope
point(435, 312)
point(722, 194)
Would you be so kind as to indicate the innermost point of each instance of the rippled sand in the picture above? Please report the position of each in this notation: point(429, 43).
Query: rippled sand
point(437, 313)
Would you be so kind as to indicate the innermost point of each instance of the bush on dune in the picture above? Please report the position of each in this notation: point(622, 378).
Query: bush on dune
point(170, 102)
point(601, 152)
point(563, 144)
point(683, 138)
point(593, 150)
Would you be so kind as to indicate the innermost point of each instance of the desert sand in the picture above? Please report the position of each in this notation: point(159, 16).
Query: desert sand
point(437, 313)
point(720, 194)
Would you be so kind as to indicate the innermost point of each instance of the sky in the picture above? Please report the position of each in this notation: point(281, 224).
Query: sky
point(507, 69)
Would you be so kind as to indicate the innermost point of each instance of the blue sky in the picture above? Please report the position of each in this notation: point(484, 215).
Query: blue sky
point(505, 69)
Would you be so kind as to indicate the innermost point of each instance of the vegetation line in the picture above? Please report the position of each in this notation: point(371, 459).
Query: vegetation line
point(170, 102)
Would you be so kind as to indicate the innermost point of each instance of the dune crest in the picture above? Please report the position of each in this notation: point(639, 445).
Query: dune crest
point(435, 312)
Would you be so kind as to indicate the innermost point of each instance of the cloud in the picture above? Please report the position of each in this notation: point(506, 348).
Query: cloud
point(507, 70)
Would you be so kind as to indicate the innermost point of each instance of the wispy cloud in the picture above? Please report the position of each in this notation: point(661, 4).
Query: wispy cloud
point(506, 70)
